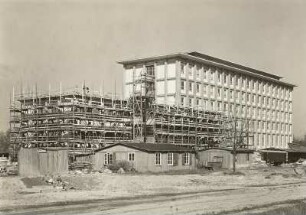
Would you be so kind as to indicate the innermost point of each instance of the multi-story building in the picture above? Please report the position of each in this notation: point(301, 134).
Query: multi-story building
point(204, 82)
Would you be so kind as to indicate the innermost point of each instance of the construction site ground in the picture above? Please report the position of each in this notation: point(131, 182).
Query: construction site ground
point(199, 192)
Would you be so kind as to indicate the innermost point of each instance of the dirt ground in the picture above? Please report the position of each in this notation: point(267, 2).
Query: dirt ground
point(17, 192)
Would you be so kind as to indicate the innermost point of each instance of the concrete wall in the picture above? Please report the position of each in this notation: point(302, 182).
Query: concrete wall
point(144, 162)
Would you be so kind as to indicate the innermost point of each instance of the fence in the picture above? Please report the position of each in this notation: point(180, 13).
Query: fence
point(37, 162)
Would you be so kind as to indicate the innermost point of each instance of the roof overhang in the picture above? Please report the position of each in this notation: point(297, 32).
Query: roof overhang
point(201, 58)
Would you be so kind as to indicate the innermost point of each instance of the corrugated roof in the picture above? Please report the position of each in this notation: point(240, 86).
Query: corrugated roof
point(295, 147)
point(238, 150)
point(149, 147)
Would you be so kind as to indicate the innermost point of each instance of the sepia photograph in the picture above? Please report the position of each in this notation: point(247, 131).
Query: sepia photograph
point(168, 107)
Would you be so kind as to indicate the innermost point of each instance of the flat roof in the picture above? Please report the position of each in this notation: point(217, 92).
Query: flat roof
point(203, 58)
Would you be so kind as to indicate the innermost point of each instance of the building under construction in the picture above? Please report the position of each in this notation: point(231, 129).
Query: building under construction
point(76, 120)
point(84, 121)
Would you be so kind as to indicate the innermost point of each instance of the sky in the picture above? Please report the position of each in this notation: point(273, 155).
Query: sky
point(69, 42)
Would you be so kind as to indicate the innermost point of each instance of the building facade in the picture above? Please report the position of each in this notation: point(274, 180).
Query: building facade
point(146, 157)
point(203, 82)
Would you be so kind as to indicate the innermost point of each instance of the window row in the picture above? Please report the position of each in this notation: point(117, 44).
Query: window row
point(238, 109)
point(172, 158)
point(272, 140)
point(227, 93)
point(270, 126)
point(212, 74)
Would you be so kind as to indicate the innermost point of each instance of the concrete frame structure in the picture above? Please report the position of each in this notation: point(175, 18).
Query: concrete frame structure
point(203, 82)
point(80, 121)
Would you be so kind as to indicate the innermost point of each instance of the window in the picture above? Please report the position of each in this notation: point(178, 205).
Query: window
point(225, 106)
point(186, 159)
point(263, 100)
point(237, 81)
point(198, 72)
point(231, 80)
point(170, 158)
point(198, 88)
point(108, 158)
point(205, 73)
point(211, 76)
point(219, 77)
point(131, 156)
point(190, 86)
point(182, 68)
point(157, 159)
point(182, 85)
point(190, 69)
point(190, 102)
point(211, 105)
point(198, 102)
point(237, 95)
point(219, 92)
point(211, 90)
point(205, 104)
point(182, 101)
point(204, 89)
point(264, 88)
point(150, 70)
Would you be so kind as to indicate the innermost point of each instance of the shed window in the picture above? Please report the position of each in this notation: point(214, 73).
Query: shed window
point(186, 159)
point(170, 158)
point(157, 159)
point(108, 158)
point(131, 156)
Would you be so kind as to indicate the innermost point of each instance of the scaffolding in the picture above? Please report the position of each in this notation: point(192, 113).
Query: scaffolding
point(188, 126)
point(82, 121)
point(156, 123)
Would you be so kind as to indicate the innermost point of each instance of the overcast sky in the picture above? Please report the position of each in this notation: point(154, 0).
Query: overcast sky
point(74, 41)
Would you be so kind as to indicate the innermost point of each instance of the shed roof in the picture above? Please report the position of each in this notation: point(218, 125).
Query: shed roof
point(293, 149)
point(296, 147)
point(239, 150)
point(150, 147)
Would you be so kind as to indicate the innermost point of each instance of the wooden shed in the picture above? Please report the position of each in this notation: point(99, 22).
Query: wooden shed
point(146, 157)
point(223, 157)
point(41, 161)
